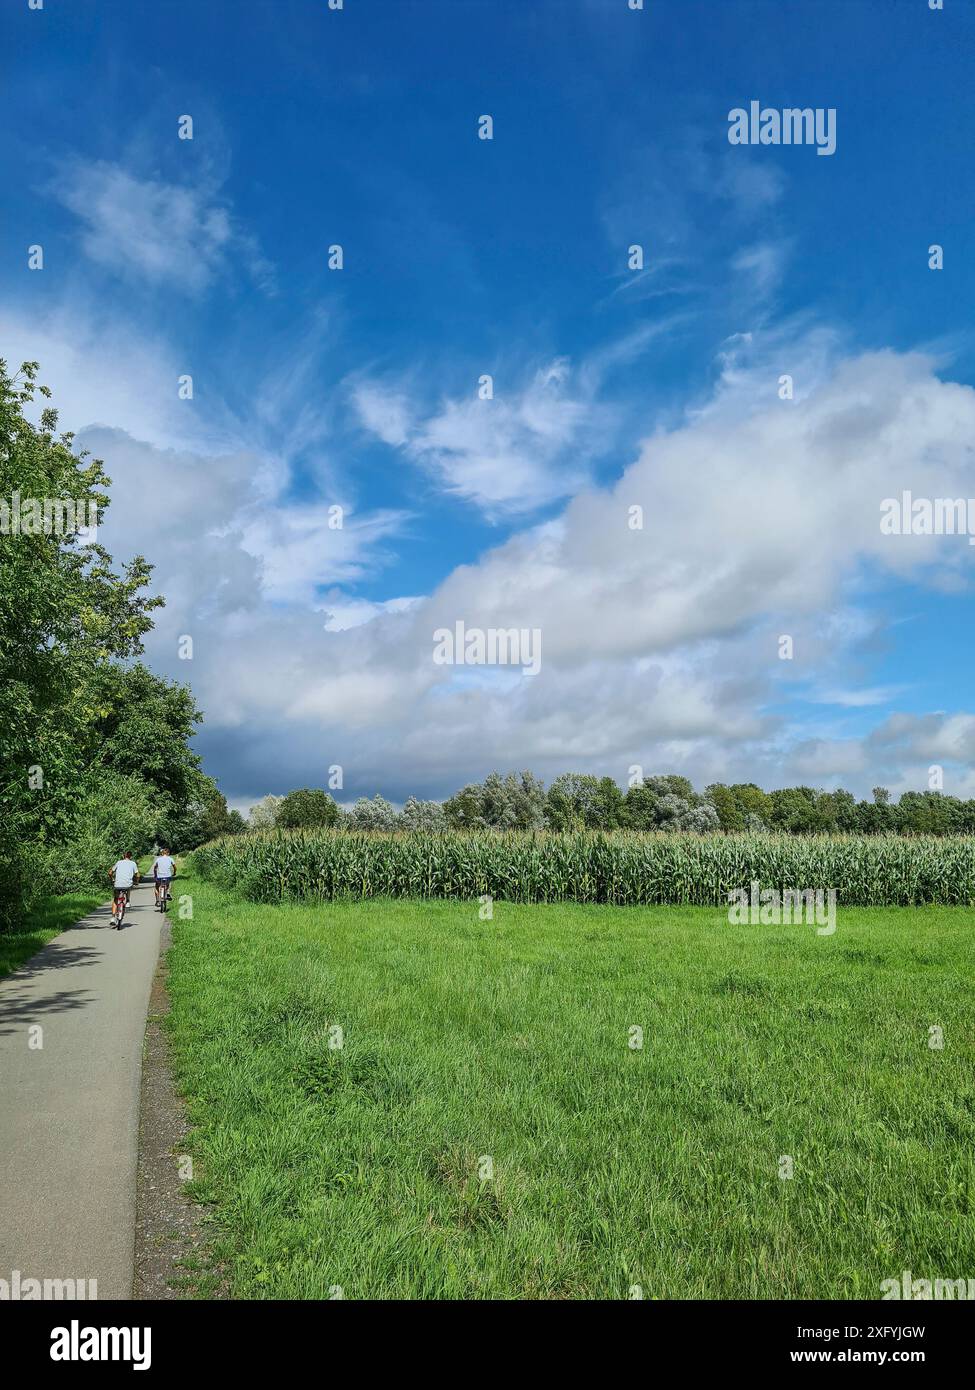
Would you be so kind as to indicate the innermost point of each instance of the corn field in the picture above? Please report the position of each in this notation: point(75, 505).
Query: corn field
point(624, 868)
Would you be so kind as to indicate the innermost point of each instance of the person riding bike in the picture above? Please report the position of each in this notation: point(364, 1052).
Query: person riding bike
point(123, 875)
point(163, 872)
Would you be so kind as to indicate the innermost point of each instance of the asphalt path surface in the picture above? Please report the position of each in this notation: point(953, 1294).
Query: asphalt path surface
point(69, 1100)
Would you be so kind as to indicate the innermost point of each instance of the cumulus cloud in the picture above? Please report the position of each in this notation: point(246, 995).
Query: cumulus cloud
point(102, 373)
point(659, 645)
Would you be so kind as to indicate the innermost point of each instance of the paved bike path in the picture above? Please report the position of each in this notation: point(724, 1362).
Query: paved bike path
point(69, 1110)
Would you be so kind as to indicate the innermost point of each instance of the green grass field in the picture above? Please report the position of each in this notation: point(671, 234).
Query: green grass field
point(658, 1167)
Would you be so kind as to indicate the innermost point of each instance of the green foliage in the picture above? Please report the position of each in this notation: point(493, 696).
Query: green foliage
point(264, 814)
point(115, 812)
point(306, 809)
point(423, 815)
point(668, 803)
point(743, 806)
point(578, 802)
point(94, 750)
point(592, 867)
point(143, 728)
point(202, 816)
point(375, 814)
point(514, 802)
point(64, 613)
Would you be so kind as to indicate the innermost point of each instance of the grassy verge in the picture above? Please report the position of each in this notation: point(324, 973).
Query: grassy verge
point(476, 1046)
point(51, 917)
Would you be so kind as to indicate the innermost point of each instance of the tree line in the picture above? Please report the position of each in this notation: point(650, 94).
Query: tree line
point(95, 753)
point(578, 801)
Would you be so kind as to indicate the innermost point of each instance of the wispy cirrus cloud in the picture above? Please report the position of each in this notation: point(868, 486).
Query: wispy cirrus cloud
point(509, 454)
point(145, 229)
point(762, 265)
point(862, 697)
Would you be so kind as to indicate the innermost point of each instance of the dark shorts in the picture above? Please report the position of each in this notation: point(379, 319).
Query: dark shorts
point(160, 881)
point(117, 892)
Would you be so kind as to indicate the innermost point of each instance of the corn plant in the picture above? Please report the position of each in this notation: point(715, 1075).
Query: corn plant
point(590, 867)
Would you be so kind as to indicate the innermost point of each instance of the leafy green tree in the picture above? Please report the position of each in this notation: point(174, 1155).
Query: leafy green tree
point(306, 808)
point(577, 801)
point(65, 614)
point(794, 809)
point(114, 812)
point(377, 814)
point(512, 802)
point(874, 817)
point(753, 802)
point(838, 811)
point(143, 727)
point(263, 815)
point(465, 809)
point(215, 818)
point(202, 816)
point(567, 801)
point(731, 816)
point(669, 803)
point(927, 813)
point(423, 815)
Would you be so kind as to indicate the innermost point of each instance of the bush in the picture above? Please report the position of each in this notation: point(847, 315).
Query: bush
point(115, 814)
point(24, 880)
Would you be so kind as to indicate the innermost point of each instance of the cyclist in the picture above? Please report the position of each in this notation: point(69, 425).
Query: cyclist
point(163, 872)
point(123, 875)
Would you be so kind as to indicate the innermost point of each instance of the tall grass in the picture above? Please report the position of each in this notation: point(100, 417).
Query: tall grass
point(622, 868)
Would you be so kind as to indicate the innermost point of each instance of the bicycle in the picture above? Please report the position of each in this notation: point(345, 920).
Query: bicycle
point(163, 902)
point(118, 907)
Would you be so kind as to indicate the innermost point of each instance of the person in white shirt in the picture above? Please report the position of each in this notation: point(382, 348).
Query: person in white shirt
point(163, 870)
point(123, 875)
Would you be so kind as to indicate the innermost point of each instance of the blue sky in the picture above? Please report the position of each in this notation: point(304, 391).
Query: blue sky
point(314, 388)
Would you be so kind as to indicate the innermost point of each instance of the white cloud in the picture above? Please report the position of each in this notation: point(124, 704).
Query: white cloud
point(752, 185)
point(102, 373)
point(763, 265)
point(659, 646)
point(937, 736)
point(387, 414)
point(522, 449)
point(147, 230)
point(344, 612)
point(300, 550)
point(862, 697)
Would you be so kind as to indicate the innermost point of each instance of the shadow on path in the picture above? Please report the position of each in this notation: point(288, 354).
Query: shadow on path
point(19, 1009)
